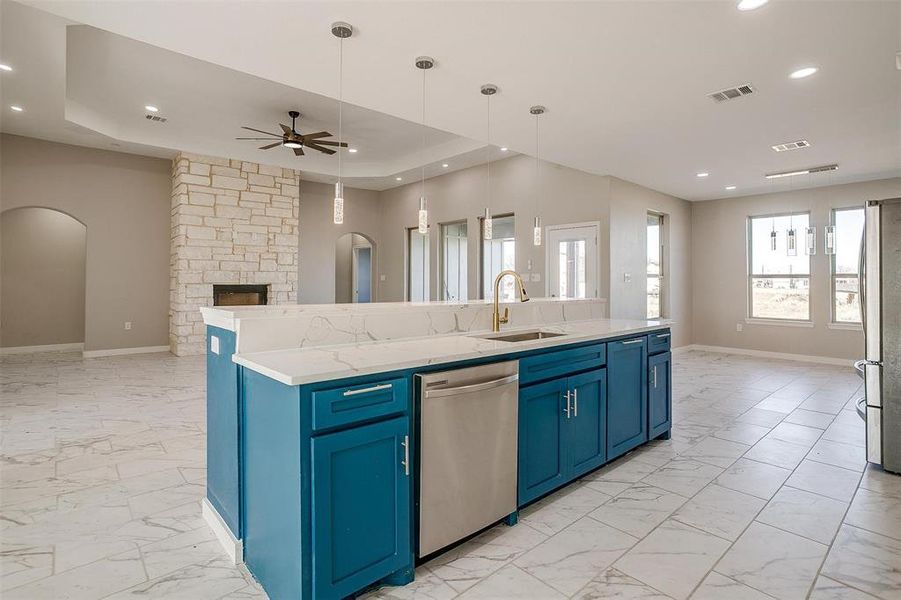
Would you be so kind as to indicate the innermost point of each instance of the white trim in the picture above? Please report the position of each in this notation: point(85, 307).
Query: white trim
point(778, 322)
point(845, 326)
point(826, 360)
point(121, 351)
point(76, 347)
point(232, 545)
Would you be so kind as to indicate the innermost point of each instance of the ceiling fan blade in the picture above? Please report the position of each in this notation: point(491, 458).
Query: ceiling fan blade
point(270, 146)
point(285, 128)
point(330, 143)
point(298, 151)
point(261, 131)
point(322, 149)
point(318, 134)
point(253, 139)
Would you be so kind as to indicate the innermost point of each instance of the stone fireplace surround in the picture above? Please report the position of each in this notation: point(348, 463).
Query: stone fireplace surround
point(233, 222)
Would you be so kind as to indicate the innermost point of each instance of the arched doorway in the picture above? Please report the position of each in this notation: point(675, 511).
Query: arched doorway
point(42, 278)
point(354, 268)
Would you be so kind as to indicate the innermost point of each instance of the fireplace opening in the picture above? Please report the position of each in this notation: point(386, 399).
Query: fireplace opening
point(240, 295)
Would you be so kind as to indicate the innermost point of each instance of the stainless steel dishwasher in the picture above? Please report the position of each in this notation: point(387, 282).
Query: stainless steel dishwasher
point(468, 446)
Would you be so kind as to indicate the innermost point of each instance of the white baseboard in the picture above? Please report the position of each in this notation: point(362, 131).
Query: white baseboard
point(121, 351)
point(826, 360)
point(74, 347)
point(233, 546)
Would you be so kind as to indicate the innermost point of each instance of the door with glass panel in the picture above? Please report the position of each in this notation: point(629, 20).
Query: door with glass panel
point(499, 254)
point(572, 261)
point(454, 261)
point(417, 265)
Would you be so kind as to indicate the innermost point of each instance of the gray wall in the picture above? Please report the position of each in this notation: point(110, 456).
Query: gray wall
point(123, 200)
point(42, 278)
point(719, 271)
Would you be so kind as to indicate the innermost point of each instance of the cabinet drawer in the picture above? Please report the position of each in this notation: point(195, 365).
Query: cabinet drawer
point(362, 402)
point(554, 364)
point(659, 341)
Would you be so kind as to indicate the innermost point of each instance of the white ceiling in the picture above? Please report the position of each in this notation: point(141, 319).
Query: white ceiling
point(625, 82)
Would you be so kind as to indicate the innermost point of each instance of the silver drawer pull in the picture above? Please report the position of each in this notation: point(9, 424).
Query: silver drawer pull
point(663, 335)
point(406, 461)
point(635, 341)
point(374, 388)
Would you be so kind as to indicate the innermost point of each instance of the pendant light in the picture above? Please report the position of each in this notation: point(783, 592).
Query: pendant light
point(810, 234)
point(537, 110)
point(791, 238)
point(829, 230)
point(424, 63)
point(342, 31)
point(488, 90)
point(773, 236)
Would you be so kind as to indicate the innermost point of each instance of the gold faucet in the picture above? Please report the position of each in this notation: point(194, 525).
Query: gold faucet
point(497, 319)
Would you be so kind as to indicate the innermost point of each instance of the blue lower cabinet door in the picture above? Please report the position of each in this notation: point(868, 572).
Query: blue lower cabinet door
point(361, 507)
point(587, 436)
point(627, 422)
point(542, 465)
point(659, 394)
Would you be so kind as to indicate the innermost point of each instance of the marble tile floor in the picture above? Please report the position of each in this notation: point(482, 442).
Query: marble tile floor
point(762, 492)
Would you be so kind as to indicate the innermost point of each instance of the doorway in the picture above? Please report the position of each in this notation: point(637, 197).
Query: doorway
point(354, 263)
point(362, 270)
point(572, 260)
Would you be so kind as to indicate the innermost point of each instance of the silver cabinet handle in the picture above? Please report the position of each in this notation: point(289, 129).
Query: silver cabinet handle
point(635, 341)
point(567, 411)
point(374, 388)
point(406, 461)
point(575, 403)
point(655, 376)
point(663, 335)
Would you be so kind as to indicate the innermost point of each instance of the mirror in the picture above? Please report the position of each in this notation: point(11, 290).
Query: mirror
point(353, 269)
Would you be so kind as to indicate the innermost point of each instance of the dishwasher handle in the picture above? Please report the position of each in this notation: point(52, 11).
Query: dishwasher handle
point(473, 387)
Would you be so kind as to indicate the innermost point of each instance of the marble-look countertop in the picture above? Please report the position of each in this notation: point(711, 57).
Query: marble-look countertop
point(299, 366)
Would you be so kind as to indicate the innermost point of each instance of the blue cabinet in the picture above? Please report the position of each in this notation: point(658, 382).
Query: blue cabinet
point(223, 426)
point(562, 428)
point(361, 506)
point(659, 394)
point(627, 395)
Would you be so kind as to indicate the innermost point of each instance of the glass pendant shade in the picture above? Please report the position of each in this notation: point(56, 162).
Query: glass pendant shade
point(791, 242)
point(773, 241)
point(830, 239)
point(810, 241)
point(423, 216)
point(536, 232)
point(486, 226)
point(338, 212)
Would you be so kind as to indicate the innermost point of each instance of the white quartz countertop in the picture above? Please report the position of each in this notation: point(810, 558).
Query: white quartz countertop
point(299, 366)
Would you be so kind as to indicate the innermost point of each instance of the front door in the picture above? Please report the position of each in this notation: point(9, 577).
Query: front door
point(572, 261)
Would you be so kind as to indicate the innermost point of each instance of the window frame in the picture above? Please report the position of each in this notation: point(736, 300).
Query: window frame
point(482, 291)
point(661, 257)
point(442, 266)
point(833, 275)
point(751, 276)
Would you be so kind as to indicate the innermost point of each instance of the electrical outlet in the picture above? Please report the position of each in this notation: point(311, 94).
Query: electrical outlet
point(383, 277)
point(536, 276)
point(627, 277)
point(529, 264)
point(214, 344)
point(739, 327)
point(127, 325)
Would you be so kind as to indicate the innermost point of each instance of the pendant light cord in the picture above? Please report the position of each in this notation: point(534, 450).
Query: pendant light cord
point(488, 163)
point(422, 174)
point(537, 164)
point(340, 103)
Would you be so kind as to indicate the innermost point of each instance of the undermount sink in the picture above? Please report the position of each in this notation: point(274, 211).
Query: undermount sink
point(522, 336)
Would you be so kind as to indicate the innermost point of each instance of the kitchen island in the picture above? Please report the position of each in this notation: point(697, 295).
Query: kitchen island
point(328, 445)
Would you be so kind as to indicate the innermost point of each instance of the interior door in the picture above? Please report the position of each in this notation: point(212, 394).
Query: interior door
point(362, 274)
point(572, 261)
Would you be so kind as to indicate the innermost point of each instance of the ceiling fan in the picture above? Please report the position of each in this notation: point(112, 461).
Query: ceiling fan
point(290, 138)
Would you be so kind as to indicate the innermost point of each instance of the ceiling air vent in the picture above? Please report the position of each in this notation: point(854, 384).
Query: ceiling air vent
point(732, 93)
point(791, 146)
point(155, 118)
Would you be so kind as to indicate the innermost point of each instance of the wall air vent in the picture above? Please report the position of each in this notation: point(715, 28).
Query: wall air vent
point(791, 146)
point(155, 118)
point(732, 93)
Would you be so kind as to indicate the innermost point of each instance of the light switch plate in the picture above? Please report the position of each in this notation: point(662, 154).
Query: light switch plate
point(214, 344)
point(627, 277)
point(383, 277)
point(536, 276)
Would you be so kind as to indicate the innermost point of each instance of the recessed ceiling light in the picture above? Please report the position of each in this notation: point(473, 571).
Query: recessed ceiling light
point(444, 166)
point(151, 108)
point(4, 67)
point(504, 149)
point(703, 174)
point(751, 4)
point(398, 179)
point(352, 150)
point(16, 108)
point(802, 73)
point(730, 187)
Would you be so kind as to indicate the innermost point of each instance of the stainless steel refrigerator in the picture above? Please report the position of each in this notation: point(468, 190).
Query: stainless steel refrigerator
point(881, 315)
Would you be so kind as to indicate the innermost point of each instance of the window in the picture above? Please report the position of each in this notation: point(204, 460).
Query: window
point(779, 279)
point(453, 261)
point(572, 257)
point(499, 254)
point(417, 266)
point(849, 223)
point(655, 265)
